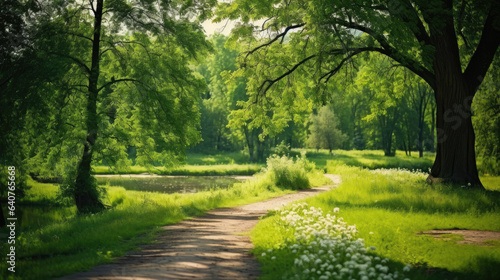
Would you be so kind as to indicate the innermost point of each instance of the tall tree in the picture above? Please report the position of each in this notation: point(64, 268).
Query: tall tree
point(141, 79)
point(324, 131)
point(376, 79)
point(449, 44)
point(217, 102)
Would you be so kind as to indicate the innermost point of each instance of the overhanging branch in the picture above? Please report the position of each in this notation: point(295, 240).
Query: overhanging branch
point(117, 81)
point(281, 35)
point(263, 88)
point(353, 53)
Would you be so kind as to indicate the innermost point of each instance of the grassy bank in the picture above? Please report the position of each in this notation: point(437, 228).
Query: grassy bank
point(225, 163)
point(389, 209)
point(371, 159)
point(80, 242)
point(185, 170)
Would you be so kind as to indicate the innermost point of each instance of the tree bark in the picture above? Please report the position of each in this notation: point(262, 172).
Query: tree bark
point(455, 155)
point(85, 192)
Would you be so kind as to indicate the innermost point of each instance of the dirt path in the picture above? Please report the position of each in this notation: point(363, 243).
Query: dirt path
point(206, 247)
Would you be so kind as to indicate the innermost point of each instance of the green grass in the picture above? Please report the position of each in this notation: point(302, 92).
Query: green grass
point(371, 159)
point(40, 193)
point(196, 165)
point(185, 170)
point(491, 183)
point(227, 158)
point(81, 241)
point(389, 208)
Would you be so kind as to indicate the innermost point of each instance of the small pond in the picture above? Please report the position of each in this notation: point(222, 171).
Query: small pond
point(31, 217)
point(167, 184)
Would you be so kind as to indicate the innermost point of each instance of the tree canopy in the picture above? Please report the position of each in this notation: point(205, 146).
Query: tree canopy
point(449, 44)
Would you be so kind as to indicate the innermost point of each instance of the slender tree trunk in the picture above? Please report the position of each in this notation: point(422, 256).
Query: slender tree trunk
point(86, 194)
point(421, 133)
point(261, 145)
point(249, 139)
point(433, 128)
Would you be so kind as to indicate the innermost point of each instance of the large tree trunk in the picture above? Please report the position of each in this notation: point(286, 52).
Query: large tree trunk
point(455, 155)
point(85, 193)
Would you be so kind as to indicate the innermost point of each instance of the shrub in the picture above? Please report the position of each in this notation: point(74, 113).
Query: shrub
point(287, 173)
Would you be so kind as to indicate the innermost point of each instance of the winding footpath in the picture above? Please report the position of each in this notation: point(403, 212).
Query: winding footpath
point(212, 246)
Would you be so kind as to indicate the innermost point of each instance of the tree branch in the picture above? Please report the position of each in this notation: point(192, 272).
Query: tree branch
point(117, 81)
point(354, 52)
point(79, 35)
point(486, 49)
point(391, 52)
point(281, 35)
point(79, 62)
point(270, 82)
point(412, 19)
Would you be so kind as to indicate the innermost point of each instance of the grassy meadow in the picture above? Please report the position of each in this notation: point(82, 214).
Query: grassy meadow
point(385, 197)
point(389, 208)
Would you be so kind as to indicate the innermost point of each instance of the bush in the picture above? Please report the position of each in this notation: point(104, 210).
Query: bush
point(287, 173)
point(282, 149)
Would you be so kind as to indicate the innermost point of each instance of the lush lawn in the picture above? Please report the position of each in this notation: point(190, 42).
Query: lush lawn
point(491, 182)
point(389, 208)
point(185, 170)
point(79, 242)
point(196, 165)
point(370, 159)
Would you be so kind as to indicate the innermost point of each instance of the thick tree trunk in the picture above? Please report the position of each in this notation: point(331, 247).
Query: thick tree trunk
point(455, 155)
point(85, 193)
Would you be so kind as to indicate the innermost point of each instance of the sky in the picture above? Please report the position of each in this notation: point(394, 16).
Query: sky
point(221, 27)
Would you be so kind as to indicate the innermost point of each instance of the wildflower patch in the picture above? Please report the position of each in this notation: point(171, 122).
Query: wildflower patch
point(326, 247)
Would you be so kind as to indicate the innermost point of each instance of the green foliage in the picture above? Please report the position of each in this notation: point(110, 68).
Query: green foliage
point(282, 149)
point(324, 131)
point(389, 208)
point(486, 121)
point(135, 89)
point(289, 174)
point(186, 170)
